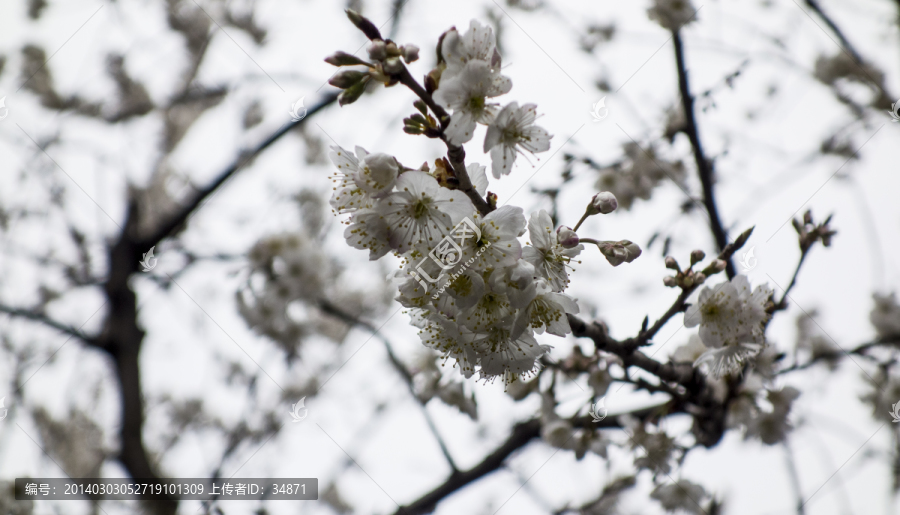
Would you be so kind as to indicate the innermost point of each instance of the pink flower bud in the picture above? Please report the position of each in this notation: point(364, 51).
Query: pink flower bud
point(392, 65)
point(632, 250)
point(377, 50)
point(566, 237)
point(697, 256)
point(604, 202)
point(410, 53)
point(671, 263)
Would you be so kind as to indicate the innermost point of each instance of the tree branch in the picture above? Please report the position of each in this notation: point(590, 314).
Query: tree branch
point(814, 5)
point(455, 154)
point(176, 222)
point(47, 321)
point(351, 320)
point(704, 167)
point(522, 433)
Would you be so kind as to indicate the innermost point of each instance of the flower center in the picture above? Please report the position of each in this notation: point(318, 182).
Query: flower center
point(476, 103)
point(420, 209)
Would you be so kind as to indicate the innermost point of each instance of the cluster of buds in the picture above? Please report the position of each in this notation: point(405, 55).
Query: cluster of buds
point(809, 232)
point(616, 252)
point(689, 278)
point(385, 66)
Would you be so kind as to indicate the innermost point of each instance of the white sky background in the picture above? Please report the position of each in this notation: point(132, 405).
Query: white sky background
point(764, 179)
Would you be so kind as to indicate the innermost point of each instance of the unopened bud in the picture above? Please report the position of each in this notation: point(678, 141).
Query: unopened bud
point(432, 80)
point(392, 65)
point(669, 281)
point(719, 265)
point(672, 264)
point(566, 237)
point(632, 250)
point(377, 50)
point(697, 256)
point(699, 278)
point(688, 281)
point(410, 53)
point(352, 94)
point(346, 78)
point(344, 59)
point(603, 202)
point(392, 50)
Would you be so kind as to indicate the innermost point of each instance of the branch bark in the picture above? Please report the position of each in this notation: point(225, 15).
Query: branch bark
point(704, 166)
point(47, 321)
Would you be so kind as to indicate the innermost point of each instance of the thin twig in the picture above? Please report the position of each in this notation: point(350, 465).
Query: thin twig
point(337, 312)
point(455, 154)
point(47, 321)
point(795, 476)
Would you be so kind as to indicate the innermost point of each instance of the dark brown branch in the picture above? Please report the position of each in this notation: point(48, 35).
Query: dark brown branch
point(814, 5)
point(681, 374)
point(47, 321)
point(455, 154)
point(522, 434)
point(782, 304)
point(177, 221)
point(704, 166)
point(679, 305)
point(860, 351)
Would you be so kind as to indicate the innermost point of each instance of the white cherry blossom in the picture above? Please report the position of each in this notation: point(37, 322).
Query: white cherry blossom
point(421, 212)
point(548, 257)
point(367, 230)
point(506, 354)
point(476, 44)
point(466, 95)
point(732, 323)
point(361, 178)
point(547, 310)
point(513, 131)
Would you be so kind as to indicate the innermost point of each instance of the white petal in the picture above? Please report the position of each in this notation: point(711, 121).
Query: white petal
point(461, 128)
point(540, 229)
point(478, 177)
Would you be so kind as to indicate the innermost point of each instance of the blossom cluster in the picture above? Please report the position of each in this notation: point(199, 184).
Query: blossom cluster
point(732, 320)
point(476, 292)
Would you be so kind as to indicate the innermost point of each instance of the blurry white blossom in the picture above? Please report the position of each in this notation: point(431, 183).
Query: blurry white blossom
point(885, 316)
point(683, 495)
point(732, 323)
